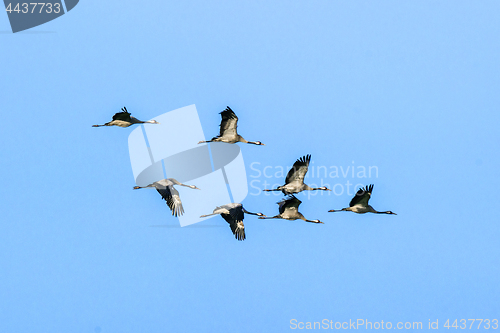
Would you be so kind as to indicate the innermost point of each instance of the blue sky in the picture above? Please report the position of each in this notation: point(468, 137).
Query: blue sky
point(409, 87)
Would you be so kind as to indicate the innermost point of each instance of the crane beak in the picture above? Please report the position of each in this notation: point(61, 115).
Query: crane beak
point(136, 187)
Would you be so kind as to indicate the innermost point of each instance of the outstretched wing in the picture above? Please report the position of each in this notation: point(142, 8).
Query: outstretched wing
point(235, 220)
point(290, 203)
point(229, 123)
point(299, 170)
point(171, 196)
point(362, 196)
point(238, 229)
point(124, 115)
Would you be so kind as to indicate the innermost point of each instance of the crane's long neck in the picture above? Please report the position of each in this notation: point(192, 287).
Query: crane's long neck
point(181, 184)
point(190, 186)
point(312, 221)
point(176, 182)
point(247, 212)
point(241, 139)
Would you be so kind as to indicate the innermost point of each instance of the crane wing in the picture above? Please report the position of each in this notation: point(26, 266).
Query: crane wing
point(235, 220)
point(171, 196)
point(238, 229)
point(299, 170)
point(290, 203)
point(229, 123)
point(362, 196)
point(124, 115)
point(235, 212)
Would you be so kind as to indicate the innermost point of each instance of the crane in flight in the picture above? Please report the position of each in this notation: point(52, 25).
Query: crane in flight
point(234, 214)
point(168, 193)
point(359, 204)
point(294, 181)
point(123, 119)
point(289, 210)
point(228, 132)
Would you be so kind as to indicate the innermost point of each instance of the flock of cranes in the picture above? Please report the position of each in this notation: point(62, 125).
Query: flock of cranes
point(234, 213)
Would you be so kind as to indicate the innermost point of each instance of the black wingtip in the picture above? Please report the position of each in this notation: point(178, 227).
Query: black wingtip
point(292, 197)
point(240, 235)
point(177, 212)
point(305, 159)
point(228, 112)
